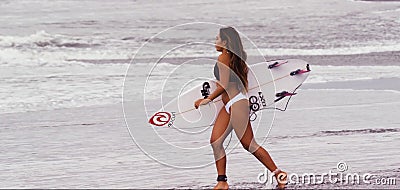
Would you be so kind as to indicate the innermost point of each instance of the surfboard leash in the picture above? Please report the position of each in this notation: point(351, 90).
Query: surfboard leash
point(283, 94)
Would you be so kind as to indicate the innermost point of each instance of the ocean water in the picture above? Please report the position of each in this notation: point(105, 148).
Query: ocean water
point(63, 65)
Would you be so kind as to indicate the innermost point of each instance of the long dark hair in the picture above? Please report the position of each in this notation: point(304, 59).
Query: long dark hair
point(238, 56)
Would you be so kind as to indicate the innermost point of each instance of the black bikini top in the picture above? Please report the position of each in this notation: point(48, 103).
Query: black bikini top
point(232, 76)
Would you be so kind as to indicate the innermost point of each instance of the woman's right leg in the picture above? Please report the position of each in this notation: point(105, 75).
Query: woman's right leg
point(220, 131)
point(242, 126)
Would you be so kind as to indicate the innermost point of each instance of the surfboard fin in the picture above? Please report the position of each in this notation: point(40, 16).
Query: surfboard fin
point(276, 64)
point(281, 95)
point(301, 71)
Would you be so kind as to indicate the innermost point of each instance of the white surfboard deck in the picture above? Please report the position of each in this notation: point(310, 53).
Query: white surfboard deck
point(263, 85)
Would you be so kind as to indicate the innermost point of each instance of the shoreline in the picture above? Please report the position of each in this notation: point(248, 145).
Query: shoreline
point(378, 84)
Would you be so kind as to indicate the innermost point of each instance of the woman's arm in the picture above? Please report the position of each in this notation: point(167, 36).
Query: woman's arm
point(224, 72)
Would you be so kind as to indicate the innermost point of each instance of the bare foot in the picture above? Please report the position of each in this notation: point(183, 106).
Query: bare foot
point(281, 178)
point(221, 185)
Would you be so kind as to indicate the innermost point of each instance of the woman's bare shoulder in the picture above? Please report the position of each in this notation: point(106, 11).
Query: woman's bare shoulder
point(224, 58)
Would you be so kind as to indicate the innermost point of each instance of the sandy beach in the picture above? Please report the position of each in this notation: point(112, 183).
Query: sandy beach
point(89, 147)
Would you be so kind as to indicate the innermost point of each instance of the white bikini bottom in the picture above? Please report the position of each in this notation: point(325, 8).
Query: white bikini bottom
point(233, 100)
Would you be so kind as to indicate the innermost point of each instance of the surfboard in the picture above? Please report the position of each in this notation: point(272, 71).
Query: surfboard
point(269, 83)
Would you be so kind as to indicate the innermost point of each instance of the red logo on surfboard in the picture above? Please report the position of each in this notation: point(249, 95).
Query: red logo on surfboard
point(160, 118)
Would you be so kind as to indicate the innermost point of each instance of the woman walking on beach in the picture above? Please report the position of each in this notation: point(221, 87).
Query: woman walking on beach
point(231, 72)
